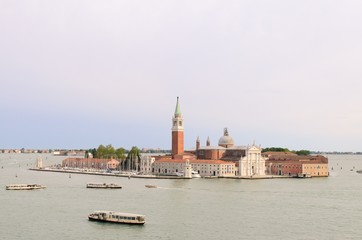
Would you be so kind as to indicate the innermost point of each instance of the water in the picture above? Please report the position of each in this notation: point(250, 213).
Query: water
point(317, 208)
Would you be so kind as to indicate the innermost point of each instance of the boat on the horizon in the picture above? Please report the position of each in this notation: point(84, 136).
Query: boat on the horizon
point(24, 186)
point(150, 186)
point(103, 185)
point(117, 217)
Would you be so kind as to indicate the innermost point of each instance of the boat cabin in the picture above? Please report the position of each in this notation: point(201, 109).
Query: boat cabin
point(117, 217)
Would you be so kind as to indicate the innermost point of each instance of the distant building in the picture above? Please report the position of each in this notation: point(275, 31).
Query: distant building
point(146, 164)
point(293, 165)
point(247, 159)
point(91, 163)
point(224, 160)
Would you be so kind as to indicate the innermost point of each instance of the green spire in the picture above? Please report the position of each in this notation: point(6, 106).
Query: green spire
point(177, 110)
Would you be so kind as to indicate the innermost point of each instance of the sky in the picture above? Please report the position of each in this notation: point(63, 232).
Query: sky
point(77, 74)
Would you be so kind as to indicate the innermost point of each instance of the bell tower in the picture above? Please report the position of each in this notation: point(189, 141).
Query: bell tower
point(177, 132)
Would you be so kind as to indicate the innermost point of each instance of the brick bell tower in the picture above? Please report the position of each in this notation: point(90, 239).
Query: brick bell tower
point(177, 132)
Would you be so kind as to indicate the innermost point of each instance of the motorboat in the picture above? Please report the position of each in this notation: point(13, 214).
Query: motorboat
point(103, 185)
point(304, 175)
point(195, 174)
point(24, 187)
point(150, 186)
point(117, 217)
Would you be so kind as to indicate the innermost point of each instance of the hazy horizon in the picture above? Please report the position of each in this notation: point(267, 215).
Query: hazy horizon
point(76, 74)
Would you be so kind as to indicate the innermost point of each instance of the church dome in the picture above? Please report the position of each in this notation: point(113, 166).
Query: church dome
point(226, 141)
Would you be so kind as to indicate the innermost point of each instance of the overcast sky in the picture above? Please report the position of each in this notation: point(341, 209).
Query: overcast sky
point(76, 74)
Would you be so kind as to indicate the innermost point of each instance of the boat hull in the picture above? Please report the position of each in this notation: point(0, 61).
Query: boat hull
point(117, 222)
point(104, 185)
point(24, 187)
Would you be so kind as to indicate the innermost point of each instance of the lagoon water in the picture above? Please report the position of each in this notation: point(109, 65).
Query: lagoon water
point(316, 208)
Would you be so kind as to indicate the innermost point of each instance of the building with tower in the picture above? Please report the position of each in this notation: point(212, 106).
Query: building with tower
point(248, 160)
point(224, 160)
point(177, 132)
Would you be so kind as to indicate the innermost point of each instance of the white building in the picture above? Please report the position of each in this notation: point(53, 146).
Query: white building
point(146, 164)
point(205, 168)
point(252, 164)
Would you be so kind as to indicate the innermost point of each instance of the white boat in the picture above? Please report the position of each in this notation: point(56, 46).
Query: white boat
point(24, 187)
point(117, 217)
point(195, 174)
point(178, 174)
point(103, 185)
point(304, 175)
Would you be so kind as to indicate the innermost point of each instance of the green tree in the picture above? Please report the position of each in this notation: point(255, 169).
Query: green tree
point(133, 159)
point(101, 151)
point(120, 153)
point(303, 152)
point(110, 151)
point(275, 149)
point(94, 152)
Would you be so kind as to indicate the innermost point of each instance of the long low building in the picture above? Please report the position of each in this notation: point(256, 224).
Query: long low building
point(217, 168)
point(91, 163)
point(294, 165)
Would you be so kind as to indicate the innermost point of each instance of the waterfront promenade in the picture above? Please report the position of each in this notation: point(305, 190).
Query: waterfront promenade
point(133, 175)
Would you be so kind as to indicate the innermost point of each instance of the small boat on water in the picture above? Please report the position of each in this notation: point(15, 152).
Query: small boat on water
point(103, 185)
point(303, 175)
point(194, 174)
point(24, 187)
point(150, 186)
point(359, 171)
point(117, 217)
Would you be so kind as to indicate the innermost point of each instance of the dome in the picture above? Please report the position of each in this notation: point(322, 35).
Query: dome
point(226, 141)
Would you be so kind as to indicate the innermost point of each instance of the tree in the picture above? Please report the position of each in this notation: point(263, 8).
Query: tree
point(275, 149)
point(91, 151)
point(110, 151)
point(133, 159)
point(303, 152)
point(101, 151)
point(120, 153)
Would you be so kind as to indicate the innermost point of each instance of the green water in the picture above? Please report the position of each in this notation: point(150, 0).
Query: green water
point(317, 208)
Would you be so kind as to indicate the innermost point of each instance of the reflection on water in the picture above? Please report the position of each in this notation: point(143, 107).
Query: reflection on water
point(317, 208)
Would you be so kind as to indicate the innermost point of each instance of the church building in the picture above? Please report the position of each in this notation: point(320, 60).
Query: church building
point(224, 160)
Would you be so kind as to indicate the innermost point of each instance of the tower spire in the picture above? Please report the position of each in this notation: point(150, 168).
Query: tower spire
point(177, 132)
point(177, 110)
point(197, 143)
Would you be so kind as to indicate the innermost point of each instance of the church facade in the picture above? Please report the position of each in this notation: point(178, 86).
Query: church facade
point(224, 160)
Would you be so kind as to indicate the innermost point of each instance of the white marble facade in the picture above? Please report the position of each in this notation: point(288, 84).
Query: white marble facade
point(252, 164)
